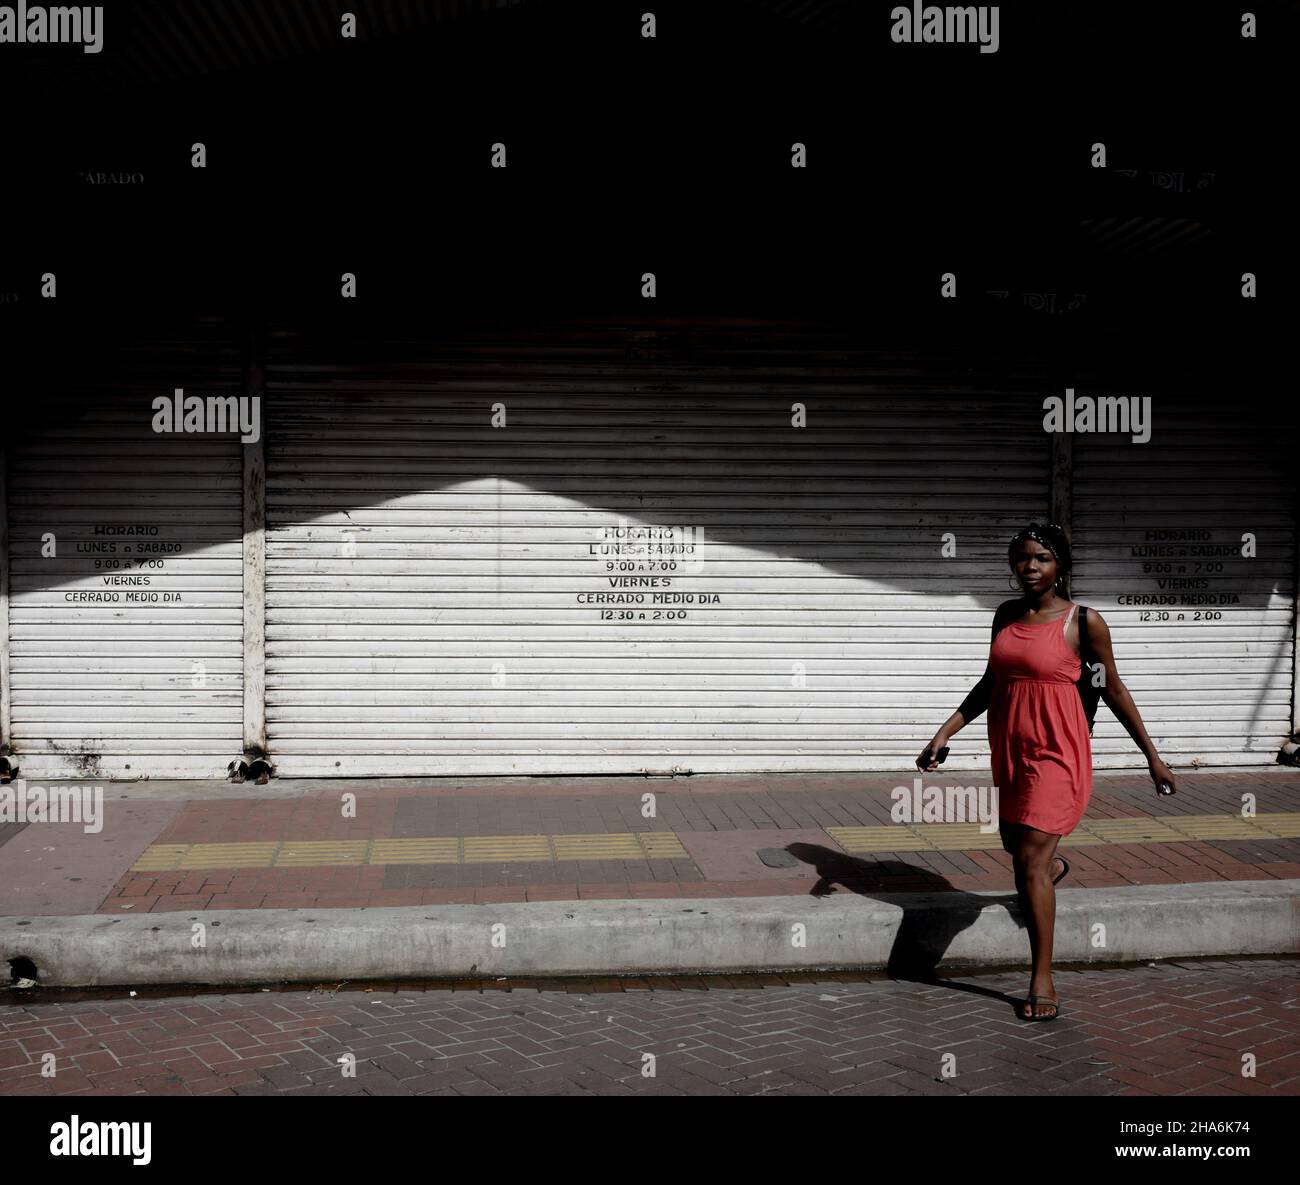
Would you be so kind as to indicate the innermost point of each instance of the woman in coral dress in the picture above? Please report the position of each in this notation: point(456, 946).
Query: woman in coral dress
point(1039, 734)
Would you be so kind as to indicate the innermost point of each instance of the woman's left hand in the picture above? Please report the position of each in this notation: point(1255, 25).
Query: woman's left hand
point(1160, 772)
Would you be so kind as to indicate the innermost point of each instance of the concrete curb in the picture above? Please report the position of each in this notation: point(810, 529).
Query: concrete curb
point(629, 936)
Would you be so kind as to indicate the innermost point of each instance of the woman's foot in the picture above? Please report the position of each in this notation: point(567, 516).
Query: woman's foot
point(1058, 873)
point(1040, 1008)
point(1042, 1003)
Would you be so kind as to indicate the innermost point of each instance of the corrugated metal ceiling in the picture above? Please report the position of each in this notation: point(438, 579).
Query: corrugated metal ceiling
point(167, 41)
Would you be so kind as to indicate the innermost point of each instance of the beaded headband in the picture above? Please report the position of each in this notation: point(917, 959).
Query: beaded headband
point(1035, 533)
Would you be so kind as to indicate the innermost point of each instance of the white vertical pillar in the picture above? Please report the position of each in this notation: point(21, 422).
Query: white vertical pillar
point(254, 491)
point(1295, 618)
point(6, 707)
point(1060, 498)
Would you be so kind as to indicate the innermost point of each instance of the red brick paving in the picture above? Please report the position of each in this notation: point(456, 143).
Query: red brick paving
point(1175, 1028)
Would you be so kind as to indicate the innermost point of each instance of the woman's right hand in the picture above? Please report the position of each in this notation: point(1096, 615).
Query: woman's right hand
point(930, 751)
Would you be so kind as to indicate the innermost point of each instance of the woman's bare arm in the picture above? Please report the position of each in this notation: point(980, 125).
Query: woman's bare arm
point(973, 706)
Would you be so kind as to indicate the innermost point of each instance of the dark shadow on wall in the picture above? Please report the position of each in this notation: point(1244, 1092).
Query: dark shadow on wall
point(609, 415)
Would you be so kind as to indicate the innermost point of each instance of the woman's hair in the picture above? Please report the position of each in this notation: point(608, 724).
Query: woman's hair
point(1052, 537)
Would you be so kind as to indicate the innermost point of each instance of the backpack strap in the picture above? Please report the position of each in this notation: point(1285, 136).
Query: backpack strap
point(1065, 629)
point(1085, 650)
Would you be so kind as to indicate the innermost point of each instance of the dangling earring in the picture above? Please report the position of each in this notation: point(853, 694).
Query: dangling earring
point(1012, 583)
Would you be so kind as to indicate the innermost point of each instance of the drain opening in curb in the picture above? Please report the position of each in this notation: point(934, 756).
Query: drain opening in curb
point(22, 972)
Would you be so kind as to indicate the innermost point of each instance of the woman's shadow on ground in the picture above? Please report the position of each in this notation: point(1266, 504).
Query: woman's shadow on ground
point(924, 936)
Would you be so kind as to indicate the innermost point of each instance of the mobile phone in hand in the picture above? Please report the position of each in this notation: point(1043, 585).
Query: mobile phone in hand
point(939, 757)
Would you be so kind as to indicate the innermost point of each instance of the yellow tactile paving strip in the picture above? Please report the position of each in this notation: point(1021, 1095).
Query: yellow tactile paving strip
point(415, 851)
point(664, 845)
point(470, 849)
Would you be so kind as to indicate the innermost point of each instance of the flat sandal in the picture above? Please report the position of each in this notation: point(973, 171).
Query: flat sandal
point(1032, 1000)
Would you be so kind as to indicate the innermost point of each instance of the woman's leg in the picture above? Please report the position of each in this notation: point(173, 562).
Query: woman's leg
point(1010, 835)
point(1033, 855)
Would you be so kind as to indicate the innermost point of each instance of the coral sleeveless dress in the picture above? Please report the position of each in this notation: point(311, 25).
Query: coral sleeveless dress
point(1038, 732)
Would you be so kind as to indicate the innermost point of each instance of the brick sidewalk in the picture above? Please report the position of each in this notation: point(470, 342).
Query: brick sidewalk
point(469, 841)
point(1175, 1028)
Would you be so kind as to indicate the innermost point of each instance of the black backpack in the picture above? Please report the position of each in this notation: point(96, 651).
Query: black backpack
point(1088, 692)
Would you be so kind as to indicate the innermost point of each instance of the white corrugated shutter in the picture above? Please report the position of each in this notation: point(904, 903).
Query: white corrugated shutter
point(1211, 670)
point(413, 551)
point(132, 687)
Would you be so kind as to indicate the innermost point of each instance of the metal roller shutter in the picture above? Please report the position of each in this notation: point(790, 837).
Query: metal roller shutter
point(132, 686)
point(1210, 660)
point(412, 547)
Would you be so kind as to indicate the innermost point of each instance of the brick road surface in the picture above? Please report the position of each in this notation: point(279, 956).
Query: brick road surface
point(1174, 1028)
